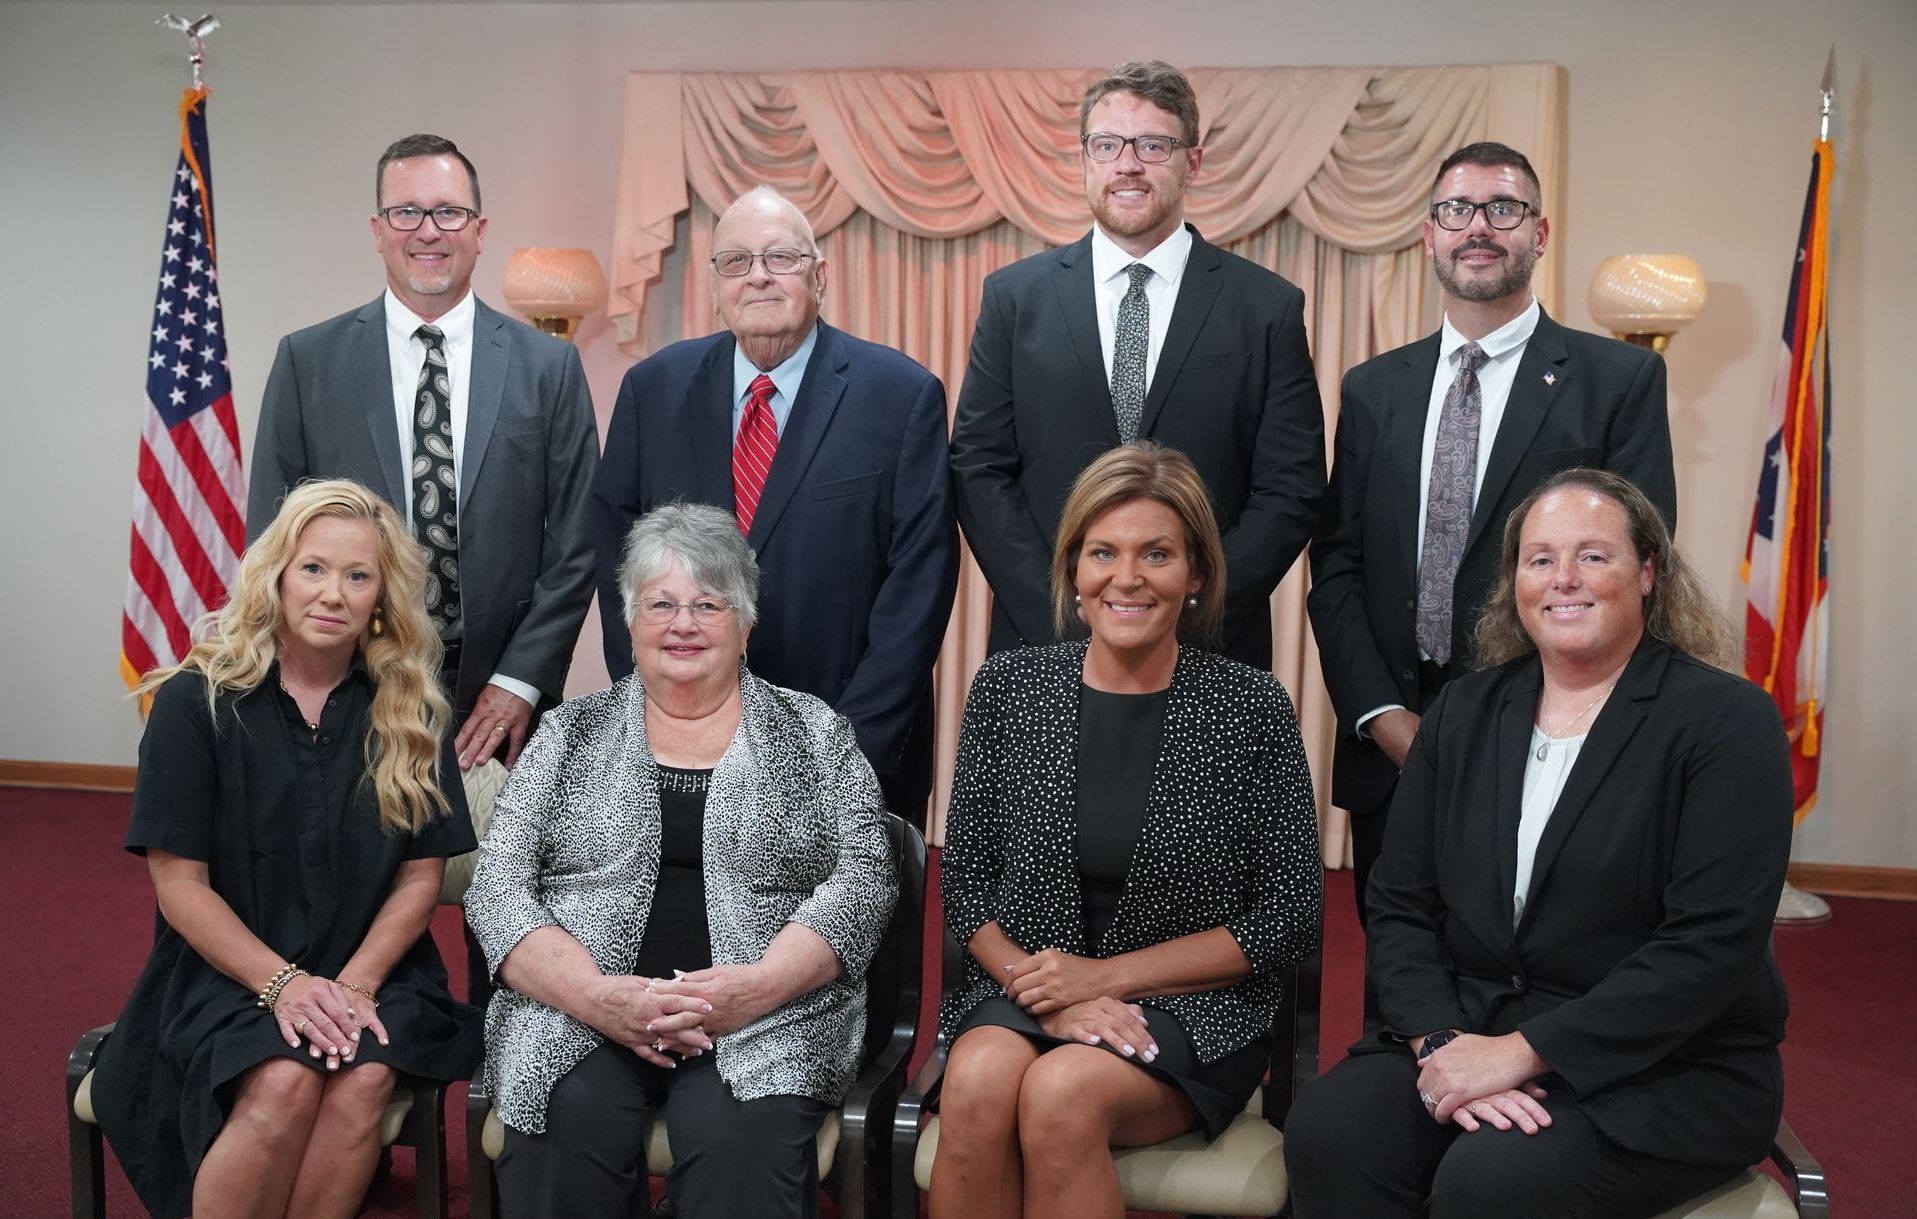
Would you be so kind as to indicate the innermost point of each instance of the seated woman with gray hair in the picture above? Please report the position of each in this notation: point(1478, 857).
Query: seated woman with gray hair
point(686, 877)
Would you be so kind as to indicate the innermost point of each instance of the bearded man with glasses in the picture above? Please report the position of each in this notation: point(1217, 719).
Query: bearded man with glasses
point(1436, 443)
point(830, 453)
point(478, 428)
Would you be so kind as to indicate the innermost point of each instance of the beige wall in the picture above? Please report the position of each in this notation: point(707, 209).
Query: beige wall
point(1690, 125)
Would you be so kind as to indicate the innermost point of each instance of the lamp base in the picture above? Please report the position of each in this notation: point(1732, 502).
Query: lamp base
point(558, 327)
point(1656, 342)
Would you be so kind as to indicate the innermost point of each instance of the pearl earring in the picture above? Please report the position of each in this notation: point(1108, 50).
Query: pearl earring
point(1192, 602)
point(1077, 600)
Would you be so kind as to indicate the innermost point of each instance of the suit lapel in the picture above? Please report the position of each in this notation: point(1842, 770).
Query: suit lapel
point(708, 423)
point(1409, 403)
point(492, 351)
point(805, 428)
point(373, 369)
point(1610, 733)
point(1531, 398)
point(1073, 282)
point(1197, 293)
point(1513, 747)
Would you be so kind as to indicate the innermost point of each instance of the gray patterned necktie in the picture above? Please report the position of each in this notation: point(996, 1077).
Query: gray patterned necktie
point(436, 484)
point(1448, 503)
point(1131, 342)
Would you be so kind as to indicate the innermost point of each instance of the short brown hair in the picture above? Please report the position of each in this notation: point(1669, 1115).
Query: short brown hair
point(1678, 609)
point(1492, 155)
point(1152, 80)
point(422, 145)
point(1143, 469)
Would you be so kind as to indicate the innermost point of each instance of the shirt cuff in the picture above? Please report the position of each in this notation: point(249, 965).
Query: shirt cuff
point(512, 685)
point(1358, 727)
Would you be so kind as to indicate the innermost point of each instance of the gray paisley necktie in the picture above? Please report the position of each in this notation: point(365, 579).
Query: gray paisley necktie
point(1131, 342)
point(1448, 503)
point(436, 483)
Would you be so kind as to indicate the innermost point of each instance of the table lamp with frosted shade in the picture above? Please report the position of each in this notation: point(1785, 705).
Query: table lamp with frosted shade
point(553, 288)
point(1646, 298)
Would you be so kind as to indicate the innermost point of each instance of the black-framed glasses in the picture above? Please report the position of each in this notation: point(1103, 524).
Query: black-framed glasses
point(734, 263)
point(448, 219)
point(1502, 214)
point(706, 609)
point(1151, 149)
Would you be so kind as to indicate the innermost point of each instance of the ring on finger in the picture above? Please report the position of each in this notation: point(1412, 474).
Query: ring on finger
point(301, 1026)
point(498, 728)
point(659, 1046)
point(1430, 1101)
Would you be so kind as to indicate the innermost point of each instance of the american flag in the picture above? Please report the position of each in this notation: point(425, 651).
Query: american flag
point(1787, 560)
point(188, 524)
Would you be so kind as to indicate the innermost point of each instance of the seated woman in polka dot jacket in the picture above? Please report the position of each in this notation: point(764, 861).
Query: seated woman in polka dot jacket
point(1131, 862)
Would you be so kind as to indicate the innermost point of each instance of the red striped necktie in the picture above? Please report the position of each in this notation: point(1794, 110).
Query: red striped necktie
point(752, 452)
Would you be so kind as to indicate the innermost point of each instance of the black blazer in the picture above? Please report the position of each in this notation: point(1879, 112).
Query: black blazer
point(1579, 400)
point(1642, 970)
point(1233, 390)
point(857, 545)
point(1230, 836)
point(525, 561)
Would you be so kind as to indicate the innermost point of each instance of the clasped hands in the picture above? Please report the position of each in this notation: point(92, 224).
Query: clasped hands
point(666, 1019)
point(329, 1016)
point(1476, 1081)
point(1071, 997)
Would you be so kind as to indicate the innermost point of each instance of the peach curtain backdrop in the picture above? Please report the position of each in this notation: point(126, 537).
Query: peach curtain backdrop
point(920, 184)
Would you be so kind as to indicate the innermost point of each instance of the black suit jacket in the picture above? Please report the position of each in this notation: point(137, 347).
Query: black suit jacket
point(1233, 390)
point(1578, 400)
point(1230, 836)
point(1641, 971)
point(857, 547)
point(525, 560)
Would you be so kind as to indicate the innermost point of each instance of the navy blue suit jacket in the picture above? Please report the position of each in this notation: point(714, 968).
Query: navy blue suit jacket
point(856, 539)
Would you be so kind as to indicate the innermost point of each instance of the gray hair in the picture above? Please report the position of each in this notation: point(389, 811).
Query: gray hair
point(709, 547)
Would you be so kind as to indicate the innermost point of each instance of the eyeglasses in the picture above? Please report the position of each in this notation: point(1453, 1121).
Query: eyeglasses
point(1502, 214)
point(734, 263)
point(406, 218)
point(706, 609)
point(1151, 149)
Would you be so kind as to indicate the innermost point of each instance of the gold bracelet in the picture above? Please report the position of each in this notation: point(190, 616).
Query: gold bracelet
point(357, 989)
point(270, 993)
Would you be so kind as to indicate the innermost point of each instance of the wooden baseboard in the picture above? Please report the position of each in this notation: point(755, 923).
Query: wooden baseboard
point(66, 776)
point(1852, 880)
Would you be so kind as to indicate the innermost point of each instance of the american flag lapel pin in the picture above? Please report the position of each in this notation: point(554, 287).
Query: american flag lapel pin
point(1550, 378)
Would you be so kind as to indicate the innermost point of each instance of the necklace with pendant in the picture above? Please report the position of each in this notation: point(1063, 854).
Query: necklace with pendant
point(310, 725)
point(1544, 746)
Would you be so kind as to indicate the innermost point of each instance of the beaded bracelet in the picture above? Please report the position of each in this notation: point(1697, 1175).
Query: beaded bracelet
point(357, 989)
point(270, 993)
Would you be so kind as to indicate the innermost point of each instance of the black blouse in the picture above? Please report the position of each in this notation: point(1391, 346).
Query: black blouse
point(677, 936)
point(1118, 736)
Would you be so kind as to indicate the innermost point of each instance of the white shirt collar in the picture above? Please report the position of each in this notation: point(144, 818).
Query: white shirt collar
point(456, 323)
point(1167, 259)
point(1500, 342)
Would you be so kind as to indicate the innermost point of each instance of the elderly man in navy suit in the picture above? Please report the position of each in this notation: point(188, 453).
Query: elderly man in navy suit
point(479, 428)
point(832, 454)
point(1437, 442)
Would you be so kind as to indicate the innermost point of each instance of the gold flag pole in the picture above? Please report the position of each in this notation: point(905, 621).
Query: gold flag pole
point(1795, 906)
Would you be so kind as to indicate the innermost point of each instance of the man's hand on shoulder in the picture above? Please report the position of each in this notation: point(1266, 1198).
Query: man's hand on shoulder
point(498, 724)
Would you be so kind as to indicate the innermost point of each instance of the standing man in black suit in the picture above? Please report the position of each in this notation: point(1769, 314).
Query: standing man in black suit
point(1436, 443)
point(477, 427)
point(1140, 329)
point(831, 452)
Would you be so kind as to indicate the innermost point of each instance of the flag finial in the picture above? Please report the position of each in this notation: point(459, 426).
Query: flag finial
point(196, 31)
point(1829, 90)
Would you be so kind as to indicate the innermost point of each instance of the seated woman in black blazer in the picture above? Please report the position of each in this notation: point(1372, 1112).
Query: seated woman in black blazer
point(1570, 922)
point(1131, 861)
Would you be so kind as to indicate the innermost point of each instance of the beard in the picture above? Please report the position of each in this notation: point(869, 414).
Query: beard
point(1159, 208)
point(1513, 277)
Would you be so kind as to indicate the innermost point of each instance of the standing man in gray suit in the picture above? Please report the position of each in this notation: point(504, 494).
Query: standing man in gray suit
point(479, 428)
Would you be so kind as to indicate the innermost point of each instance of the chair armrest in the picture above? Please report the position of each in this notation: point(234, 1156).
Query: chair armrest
point(80, 1061)
point(906, 1116)
point(1802, 1171)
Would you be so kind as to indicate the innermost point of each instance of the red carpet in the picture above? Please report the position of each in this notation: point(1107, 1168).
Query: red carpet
point(78, 916)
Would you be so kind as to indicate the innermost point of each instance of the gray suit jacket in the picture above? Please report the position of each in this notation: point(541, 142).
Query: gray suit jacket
point(524, 482)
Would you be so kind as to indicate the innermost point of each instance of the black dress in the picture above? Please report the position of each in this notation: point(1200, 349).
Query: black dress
point(289, 829)
point(1118, 743)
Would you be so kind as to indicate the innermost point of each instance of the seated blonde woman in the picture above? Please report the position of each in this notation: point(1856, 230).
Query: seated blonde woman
point(1131, 861)
point(295, 804)
point(686, 877)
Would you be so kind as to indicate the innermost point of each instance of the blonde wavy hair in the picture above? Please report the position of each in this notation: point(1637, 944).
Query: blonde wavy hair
point(410, 714)
point(1678, 610)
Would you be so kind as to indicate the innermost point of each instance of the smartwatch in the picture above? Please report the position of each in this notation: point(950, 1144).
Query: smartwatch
point(1433, 1042)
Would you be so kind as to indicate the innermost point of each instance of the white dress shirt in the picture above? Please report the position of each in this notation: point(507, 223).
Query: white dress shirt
point(1110, 282)
point(786, 379)
point(406, 355)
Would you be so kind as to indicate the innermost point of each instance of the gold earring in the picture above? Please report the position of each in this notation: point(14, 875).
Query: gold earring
point(378, 626)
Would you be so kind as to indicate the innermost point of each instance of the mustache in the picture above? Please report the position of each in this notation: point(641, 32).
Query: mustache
point(1476, 243)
